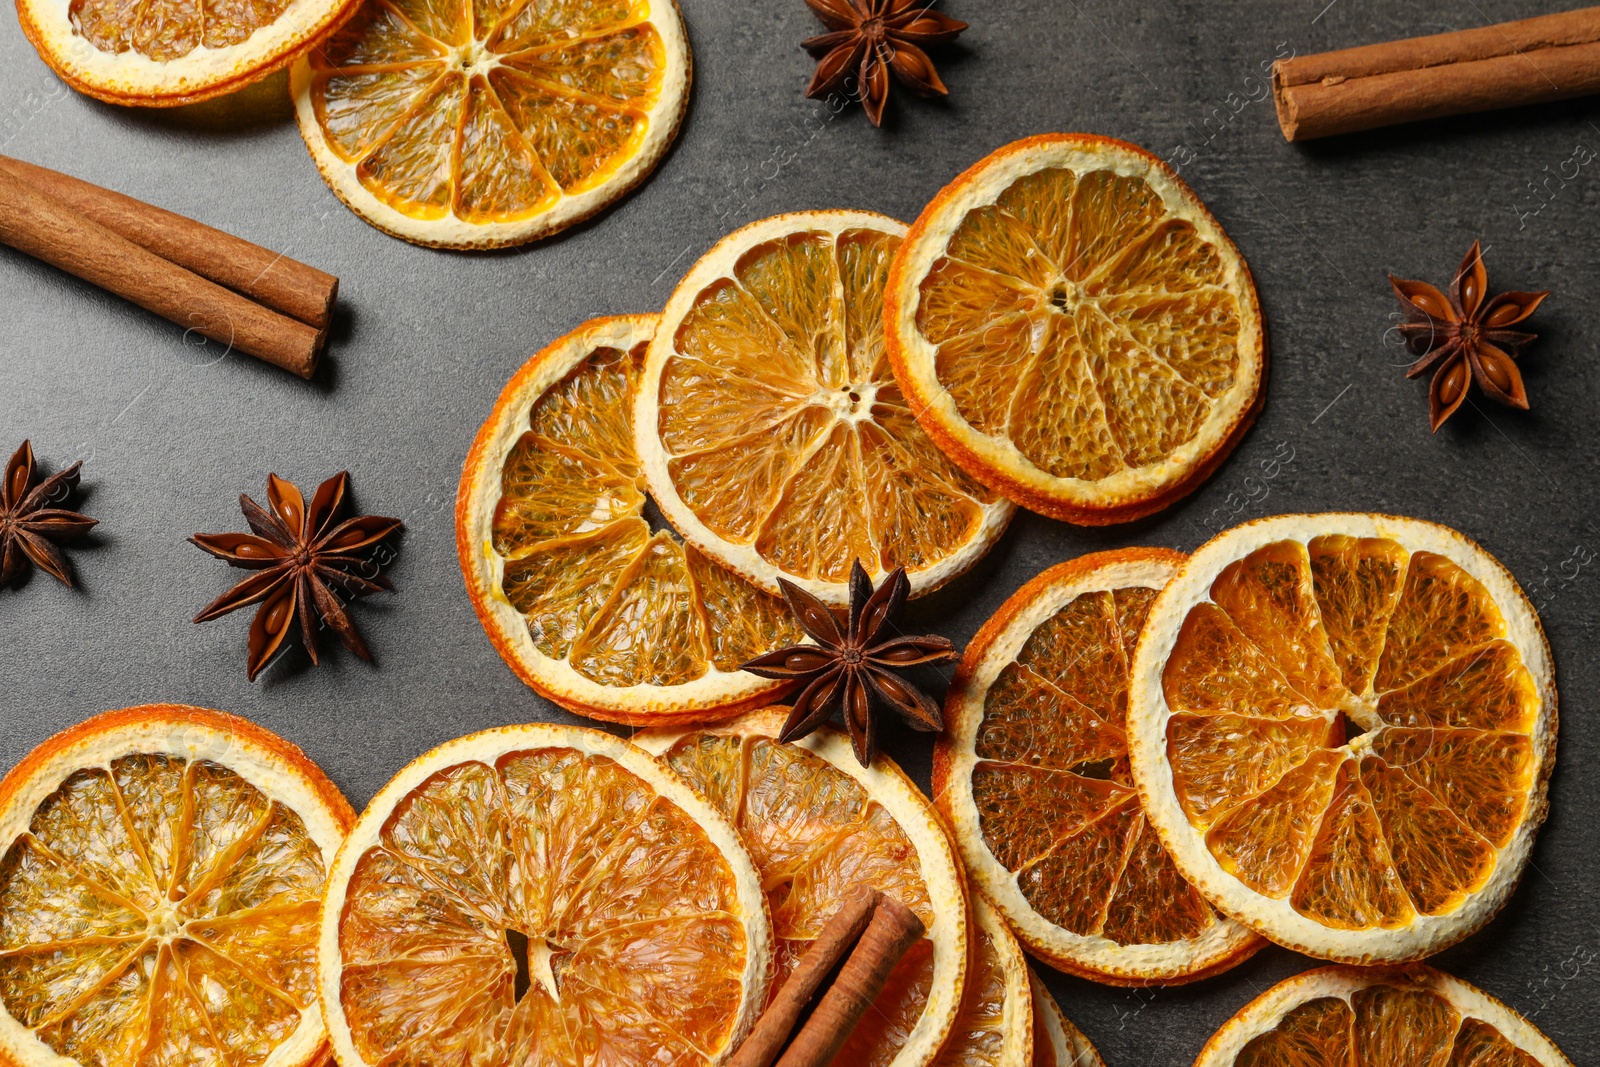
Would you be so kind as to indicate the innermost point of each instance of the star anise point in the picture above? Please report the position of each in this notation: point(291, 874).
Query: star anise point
point(872, 39)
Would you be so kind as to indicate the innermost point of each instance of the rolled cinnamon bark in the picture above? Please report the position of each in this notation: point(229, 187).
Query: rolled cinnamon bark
point(283, 284)
point(47, 229)
point(1531, 61)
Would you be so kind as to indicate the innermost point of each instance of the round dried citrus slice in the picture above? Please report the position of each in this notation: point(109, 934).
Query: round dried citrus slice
point(159, 894)
point(772, 432)
point(994, 1025)
point(1074, 328)
point(492, 123)
point(1378, 1017)
point(816, 823)
point(1342, 726)
point(1056, 1042)
point(1032, 776)
point(162, 53)
point(541, 895)
point(587, 604)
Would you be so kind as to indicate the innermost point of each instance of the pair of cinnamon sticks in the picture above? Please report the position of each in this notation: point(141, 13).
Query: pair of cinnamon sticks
point(870, 933)
point(236, 293)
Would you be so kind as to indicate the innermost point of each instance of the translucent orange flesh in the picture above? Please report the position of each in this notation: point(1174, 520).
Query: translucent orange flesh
point(1077, 319)
point(784, 427)
point(1351, 729)
point(160, 912)
point(550, 909)
point(813, 833)
point(622, 605)
point(1381, 1026)
point(164, 30)
point(1055, 800)
point(978, 1038)
point(489, 111)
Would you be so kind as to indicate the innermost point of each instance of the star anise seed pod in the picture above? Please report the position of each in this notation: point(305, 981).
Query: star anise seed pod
point(301, 557)
point(1463, 338)
point(29, 527)
point(870, 38)
point(855, 668)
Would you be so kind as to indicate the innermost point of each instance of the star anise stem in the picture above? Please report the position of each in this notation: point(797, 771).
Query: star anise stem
point(855, 669)
point(30, 526)
point(872, 38)
point(303, 557)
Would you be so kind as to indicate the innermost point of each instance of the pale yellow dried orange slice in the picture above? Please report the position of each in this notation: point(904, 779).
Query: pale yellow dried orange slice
point(587, 604)
point(1056, 1042)
point(1075, 329)
point(1342, 727)
point(159, 894)
point(541, 895)
point(816, 823)
point(994, 1025)
point(771, 431)
point(1032, 776)
point(161, 53)
point(1378, 1017)
point(491, 123)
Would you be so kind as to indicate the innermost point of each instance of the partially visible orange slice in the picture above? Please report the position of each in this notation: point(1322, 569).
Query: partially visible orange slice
point(816, 823)
point(994, 1026)
point(163, 870)
point(771, 431)
point(541, 895)
point(586, 603)
point(492, 123)
point(1032, 776)
point(1342, 727)
point(1378, 1017)
point(1075, 329)
point(1056, 1042)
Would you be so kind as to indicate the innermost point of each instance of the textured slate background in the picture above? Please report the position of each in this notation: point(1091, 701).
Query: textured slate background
point(171, 434)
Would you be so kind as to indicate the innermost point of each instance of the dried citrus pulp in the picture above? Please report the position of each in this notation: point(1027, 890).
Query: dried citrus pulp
point(583, 601)
point(1342, 726)
point(816, 822)
point(485, 124)
point(1073, 327)
point(1032, 776)
point(771, 431)
point(159, 894)
point(541, 895)
point(165, 52)
point(1378, 1017)
point(1056, 1042)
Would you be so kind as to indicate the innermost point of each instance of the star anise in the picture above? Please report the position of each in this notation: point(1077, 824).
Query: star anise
point(1463, 338)
point(29, 527)
point(870, 38)
point(302, 558)
point(855, 668)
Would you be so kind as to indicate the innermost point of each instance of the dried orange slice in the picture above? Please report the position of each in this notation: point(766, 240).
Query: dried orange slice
point(1074, 328)
point(994, 1025)
point(816, 822)
point(161, 53)
point(1032, 777)
point(541, 895)
point(771, 431)
point(1056, 1042)
point(1342, 726)
point(587, 604)
point(1378, 1017)
point(159, 894)
point(492, 123)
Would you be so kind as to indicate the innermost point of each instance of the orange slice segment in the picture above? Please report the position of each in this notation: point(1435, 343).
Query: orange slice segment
point(771, 431)
point(1378, 1017)
point(1073, 327)
point(587, 604)
point(541, 894)
point(816, 823)
point(494, 123)
point(1032, 776)
point(1341, 727)
point(159, 891)
point(1056, 1042)
point(162, 53)
point(994, 1025)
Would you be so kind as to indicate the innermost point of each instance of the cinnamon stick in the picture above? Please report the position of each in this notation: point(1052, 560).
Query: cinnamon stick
point(838, 937)
point(1530, 61)
point(893, 930)
point(283, 284)
point(47, 229)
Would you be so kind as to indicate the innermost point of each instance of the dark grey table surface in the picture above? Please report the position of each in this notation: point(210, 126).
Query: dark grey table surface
point(170, 434)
